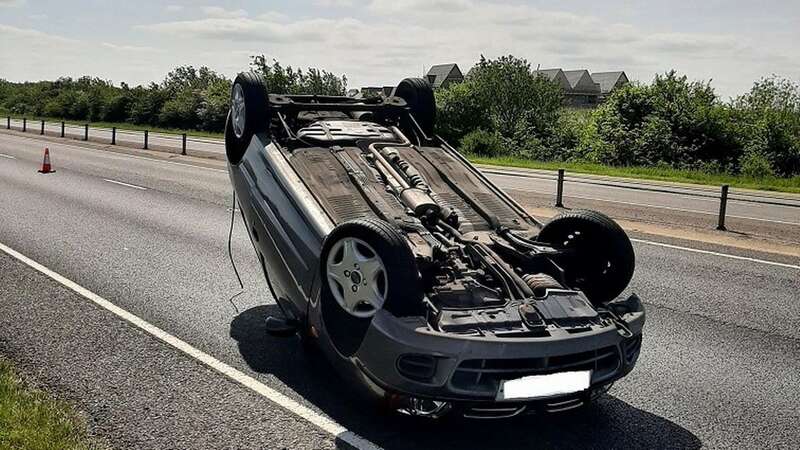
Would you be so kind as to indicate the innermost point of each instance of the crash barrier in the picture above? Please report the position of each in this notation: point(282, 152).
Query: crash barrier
point(145, 139)
point(688, 192)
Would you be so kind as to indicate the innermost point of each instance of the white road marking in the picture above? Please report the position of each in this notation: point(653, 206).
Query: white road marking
point(324, 423)
point(7, 156)
point(125, 184)
point(708, 252)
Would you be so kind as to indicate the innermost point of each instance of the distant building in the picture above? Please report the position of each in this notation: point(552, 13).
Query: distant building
point(583, 89)
point(442, 75)
point(556, 76)
point(609, 81)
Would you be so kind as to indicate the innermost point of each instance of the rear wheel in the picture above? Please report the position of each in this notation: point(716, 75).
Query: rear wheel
point(418, 94)
point(600, 259)
point(366, 266)
point(249, 114)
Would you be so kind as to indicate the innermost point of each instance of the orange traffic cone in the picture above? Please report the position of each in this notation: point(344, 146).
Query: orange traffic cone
point(46, 163)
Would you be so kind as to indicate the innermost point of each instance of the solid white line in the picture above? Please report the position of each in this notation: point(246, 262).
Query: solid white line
point(7, 156)
point(707, 252)
point(125, 184)
point(325, 423)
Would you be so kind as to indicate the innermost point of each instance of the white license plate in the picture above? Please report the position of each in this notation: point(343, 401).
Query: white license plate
point(541, 386)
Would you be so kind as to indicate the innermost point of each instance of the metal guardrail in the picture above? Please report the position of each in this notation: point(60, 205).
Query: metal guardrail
point(184, 142)
point(83, 132)
point(723, 195)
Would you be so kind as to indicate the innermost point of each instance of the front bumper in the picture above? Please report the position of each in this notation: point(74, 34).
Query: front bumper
point(400, 356)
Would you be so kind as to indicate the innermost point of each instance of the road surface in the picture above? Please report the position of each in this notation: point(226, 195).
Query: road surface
point(720, 365)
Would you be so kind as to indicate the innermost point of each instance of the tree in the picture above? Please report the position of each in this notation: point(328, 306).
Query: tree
point(516, 98)
point(767, 120)
point(286, 80)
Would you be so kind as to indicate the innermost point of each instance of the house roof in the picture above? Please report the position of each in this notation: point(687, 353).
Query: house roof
point(580, 81)
point(555, 75)
point(551, 74)
point(608, 80)
point(441, 72)
point(574, 76)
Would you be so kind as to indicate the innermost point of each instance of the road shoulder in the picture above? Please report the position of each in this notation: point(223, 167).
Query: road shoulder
point(136, 391)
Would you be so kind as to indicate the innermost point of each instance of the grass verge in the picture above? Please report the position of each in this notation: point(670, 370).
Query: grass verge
point(30, 419)
point(777, 184)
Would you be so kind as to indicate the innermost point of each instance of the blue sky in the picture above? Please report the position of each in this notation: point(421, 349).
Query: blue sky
point(378, 42)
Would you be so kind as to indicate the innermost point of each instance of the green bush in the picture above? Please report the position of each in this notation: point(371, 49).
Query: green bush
point(482, 143)
point(672, 120)
point(755, 165)
point(459, 111)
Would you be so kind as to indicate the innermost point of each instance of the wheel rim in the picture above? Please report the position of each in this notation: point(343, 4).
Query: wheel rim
point(600, 266)
point(238, 110)
point(357, 277)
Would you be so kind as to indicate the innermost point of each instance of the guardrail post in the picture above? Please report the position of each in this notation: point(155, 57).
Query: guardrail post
point(145, 139)
point(24, 124)
point(183, 144)
point(723, 205)
point(113, 135)
point(8, 123)
point(42, 130)
point(62, 128)
point(560, 189)
point(86, 132)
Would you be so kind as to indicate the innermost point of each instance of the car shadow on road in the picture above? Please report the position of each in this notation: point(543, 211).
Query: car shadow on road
point(609, 423)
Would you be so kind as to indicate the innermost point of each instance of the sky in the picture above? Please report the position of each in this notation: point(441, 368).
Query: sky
point(379, 42)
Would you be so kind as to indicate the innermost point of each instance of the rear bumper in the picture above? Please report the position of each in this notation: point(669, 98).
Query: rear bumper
point(399, 356)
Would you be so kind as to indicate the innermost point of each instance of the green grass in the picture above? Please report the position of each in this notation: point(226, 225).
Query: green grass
point(30, 419)
point(33, 123)
point(651, 173)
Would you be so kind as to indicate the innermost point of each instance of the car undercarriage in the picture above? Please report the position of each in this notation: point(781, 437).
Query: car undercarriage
point(436, 286)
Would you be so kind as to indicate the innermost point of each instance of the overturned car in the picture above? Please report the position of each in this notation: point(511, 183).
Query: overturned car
point(418, 278)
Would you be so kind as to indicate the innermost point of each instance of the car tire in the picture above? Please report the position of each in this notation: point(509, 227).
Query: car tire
point(249, 114)
point(399, 289)
point(418, 94)
point(602, 260)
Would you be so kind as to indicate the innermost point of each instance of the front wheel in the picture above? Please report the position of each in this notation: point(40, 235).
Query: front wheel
point(366, 266)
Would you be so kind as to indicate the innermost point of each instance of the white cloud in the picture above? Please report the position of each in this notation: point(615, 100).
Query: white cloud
point(387, 40)
point(222, 13)
point(131, 48)
point(335, 3)
point(11, 3)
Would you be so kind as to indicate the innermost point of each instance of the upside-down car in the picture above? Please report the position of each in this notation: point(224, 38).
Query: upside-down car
point(419, 279)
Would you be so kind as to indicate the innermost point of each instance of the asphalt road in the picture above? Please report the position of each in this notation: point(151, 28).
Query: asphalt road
point(720, 365)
